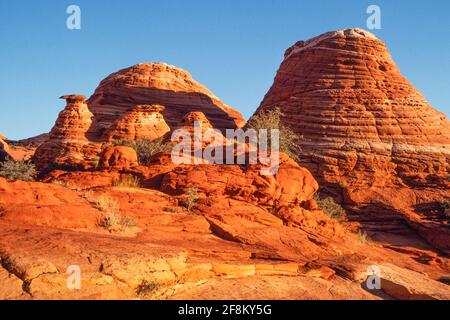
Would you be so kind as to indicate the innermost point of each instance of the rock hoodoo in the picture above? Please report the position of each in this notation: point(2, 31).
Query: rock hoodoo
point(159, 83)
point(69, 141)
point(367, 132)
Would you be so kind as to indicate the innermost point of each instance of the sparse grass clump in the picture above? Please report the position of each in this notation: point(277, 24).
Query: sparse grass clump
point(17, 170)
point(127, 182)
point(191, 198)
point(145, 148)
point(363, 237)
point(445, 205)
point(331, 208)
point(146, 288)
point(63, 184)
point(112, 218)
point(272, 119)
point(445, 280)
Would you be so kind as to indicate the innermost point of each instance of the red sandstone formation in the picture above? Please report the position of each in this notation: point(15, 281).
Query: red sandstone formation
point(118, 158)
point(69, 142)
point(369, 136)
point(141, 122)
point(158, 83)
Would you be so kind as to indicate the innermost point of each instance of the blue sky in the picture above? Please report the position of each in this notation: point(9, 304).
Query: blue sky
point(234, 47)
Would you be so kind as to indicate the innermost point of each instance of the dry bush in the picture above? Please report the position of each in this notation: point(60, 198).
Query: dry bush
point(272, 119)
point(112, 217)
point(63, 184)
point(445, 205)
point(333, 209)
point(191, 198)
point(127, 182)
point(364, 237)
point(146, 288)
point(17, 170)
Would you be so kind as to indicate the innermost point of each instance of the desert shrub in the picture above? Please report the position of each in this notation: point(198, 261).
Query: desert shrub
point(17, 170)
point(127, 182)
point(363, 237)
point(272, 119)
point(191, 198)
point(145, 148)
point(445, 205)
point(172, 209)
point(61, 183)
point(445, 280)
point(112, 218)
point(146, 288)
point(331, 208)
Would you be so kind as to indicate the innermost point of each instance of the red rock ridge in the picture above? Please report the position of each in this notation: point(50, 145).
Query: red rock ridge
point(141, 121)
point(367, 132)
point(159, 83)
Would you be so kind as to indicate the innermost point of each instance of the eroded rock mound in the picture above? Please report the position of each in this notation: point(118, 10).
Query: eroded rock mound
point(367, 132)
point(141, 122)
point(69, 142)
point(118, 158)
point(159, 83)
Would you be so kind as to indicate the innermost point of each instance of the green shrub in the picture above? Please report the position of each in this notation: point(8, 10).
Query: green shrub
point(145, 148)
point(272, 119)
point(127, 182)
point(331, 208)
point(445, 280)
point(17, 170)
point(363, 237)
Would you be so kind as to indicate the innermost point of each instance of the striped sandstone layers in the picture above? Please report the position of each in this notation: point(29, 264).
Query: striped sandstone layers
point(159, 83)
point(141, 122)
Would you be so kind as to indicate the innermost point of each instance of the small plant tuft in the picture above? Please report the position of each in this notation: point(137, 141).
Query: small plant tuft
point(331, 208)
point(364, 237)
point(17, 170)
point(445, 280)
point(172, 209)
point(62, 183)
point(445, 205)
point(146, 288)
point(127, 182)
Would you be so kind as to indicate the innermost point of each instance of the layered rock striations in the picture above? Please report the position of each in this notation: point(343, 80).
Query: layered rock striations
point(367, 132)
point(69, 142)
point(140, 122)
point(159, 83)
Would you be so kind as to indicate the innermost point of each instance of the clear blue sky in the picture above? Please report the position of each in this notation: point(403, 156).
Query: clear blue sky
point(234, 47)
